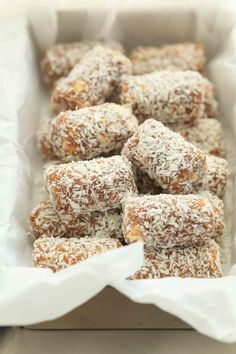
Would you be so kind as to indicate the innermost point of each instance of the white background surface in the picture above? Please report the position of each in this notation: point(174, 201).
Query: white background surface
point(25, 341)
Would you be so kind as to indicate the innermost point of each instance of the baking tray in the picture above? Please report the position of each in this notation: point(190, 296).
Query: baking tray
point(112, 310)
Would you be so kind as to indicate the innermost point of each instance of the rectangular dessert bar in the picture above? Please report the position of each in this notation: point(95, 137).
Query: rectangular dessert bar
point(87, 186)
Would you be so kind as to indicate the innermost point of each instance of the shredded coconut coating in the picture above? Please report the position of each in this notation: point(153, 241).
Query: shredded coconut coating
point(58, 60)
point(166, 157)
point(60, 253)
point(206, 134)
point(197, 261)
point(179, 56)
point(166, 96)
point(167, 220)
point(216, 177)
point(214, 180)
point(210, 104)
point(44, 140)
point(218, 206)
point(45, 221)
point(91, 81)
point(87, 186)
point(91, 131)
point(211, 107)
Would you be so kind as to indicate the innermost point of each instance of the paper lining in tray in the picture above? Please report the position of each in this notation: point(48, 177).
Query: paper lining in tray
point(31, 295)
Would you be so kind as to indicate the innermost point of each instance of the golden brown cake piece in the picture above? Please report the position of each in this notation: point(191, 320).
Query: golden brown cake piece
point(168, 159)
point(197, 261)
point(59, 59)
point(210, 103)
point(167, 220)
point(216, 177)
point(214, 180)
point(206, 134)
point(45, 221)
point(166, 96)
point(179, 56)
point(87, 186)
point(60, 253)
point(91, 81)
point(218, 206)
point(91, 131)
point(44, 140)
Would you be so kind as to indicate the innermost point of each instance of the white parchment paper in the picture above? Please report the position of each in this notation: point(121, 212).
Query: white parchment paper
point(29, 295)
